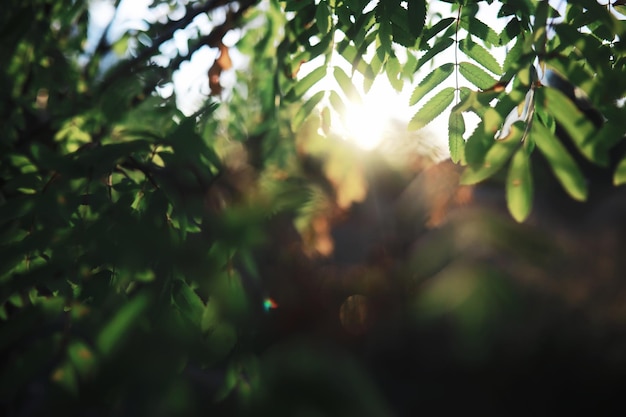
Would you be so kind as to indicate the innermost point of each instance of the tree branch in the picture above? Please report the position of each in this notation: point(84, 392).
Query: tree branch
point(192, 11)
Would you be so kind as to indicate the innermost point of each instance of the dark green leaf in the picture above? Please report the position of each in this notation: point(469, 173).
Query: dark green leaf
point(323, 18)
point(434, 30)
point(416, 16)
point(540, 25)
point(510, 31)
point(384, 36)
point(188, 301)
point(514, 56)
point(561, 162)
point(480, 30)
point(117, 329)
point(439, 46)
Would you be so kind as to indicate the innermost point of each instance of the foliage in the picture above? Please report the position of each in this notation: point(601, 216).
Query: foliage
point(581, 41)
point(130, 231)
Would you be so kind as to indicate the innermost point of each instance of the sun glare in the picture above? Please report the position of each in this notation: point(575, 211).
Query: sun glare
point(365, 124)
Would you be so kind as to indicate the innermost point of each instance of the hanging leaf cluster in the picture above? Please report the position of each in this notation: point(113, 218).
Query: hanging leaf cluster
point(518, 101)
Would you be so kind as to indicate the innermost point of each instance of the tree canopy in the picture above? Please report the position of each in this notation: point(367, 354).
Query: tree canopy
point(135, 236)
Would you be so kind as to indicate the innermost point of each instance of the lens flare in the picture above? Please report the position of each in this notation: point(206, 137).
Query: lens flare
point(269, 304)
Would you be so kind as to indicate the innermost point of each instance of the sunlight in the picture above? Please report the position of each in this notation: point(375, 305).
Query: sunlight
point(365, 123)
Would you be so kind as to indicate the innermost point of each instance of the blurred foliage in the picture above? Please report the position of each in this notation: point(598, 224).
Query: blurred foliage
point(242, 261)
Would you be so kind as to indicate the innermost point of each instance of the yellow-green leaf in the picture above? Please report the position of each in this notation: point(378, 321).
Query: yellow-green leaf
point(477, 145)
point(456, 143)
point(519, 186)
point(306, 110)
point(337, 103)
point(432, 80)
point(476, 75)
point(433, 108)
point(578, 127)
point(394, 73)
point(620, 173)
point(480, 55)
point(496, 157)
point(305, 84)
point(346, 85)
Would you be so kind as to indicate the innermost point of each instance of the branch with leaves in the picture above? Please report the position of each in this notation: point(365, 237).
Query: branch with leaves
point(518, 107)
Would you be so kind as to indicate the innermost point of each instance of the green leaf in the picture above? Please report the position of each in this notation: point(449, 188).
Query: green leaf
point(519, 186)
point(477, 145)
point(319, 48)
point(433, 108)
point(539, 26)
point(210, 316)
point(513, 56)
point(187, 301)
point(510, 31)
point(394, 73)
point(476, 75)
point(620, 6)
point(416, 16)
point(337, 103)
point(493, 121)
point(384, 36)
point(355, 59)
point(456, 143)
point(434, 30)
point(480, 30)
point(439, 46)
point(432, 80)
point(221, 339)
point(305, 84)
point(114, 332)
point(480, 55)
point(306, 110)
point(82, 357)
point(593, 12)
point(620, 173)
point(561, 162)
point(323, 18)
point(468, 101)
point(346, 85)
point(496, 157)
point(578, 127)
